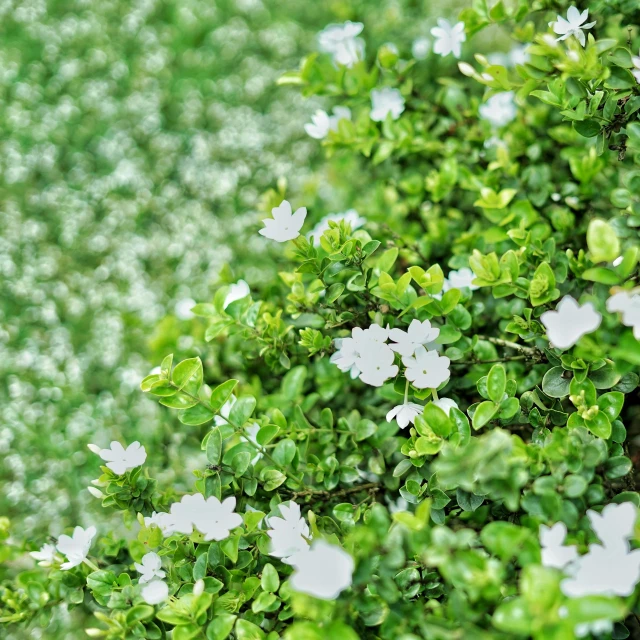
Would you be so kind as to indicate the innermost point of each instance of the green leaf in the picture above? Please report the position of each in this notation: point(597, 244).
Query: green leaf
point(221, 626)
point(602, 241)
point(242, 410)
point(246, 630)
point(188, 373)
point(196, 415)
point(496, 383)
point(556, 382)
point(270, 580)
point(221, 394)
point(229, 547)
point(599, 425)
point(611, 403)
point(587, 128)
point(214, 446)
point(617, 467)
point(437, 420)
point(468, 501)
point(484, 412)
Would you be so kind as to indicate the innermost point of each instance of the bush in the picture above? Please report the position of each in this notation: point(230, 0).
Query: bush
point(418, 427)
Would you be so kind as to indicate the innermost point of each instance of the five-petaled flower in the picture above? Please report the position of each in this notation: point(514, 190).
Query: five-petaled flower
point(418, 334)
point(449, 38)
point(573, 25)
point(569, 322)
point(554, 553)
point(427, 369)
point(75, 547)
point(150, 567)
point(119, 459)
point(285, 225)
point(342, 42)
point(322, 571)
point(155, 592)
point(376, 364)
point(289, 534)
point(405, 413)
point(386, 101)
point(628, 304)
point(321, 122)
point(214, 519)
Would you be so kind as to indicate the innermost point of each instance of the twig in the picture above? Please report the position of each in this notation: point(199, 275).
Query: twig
point(371, 487)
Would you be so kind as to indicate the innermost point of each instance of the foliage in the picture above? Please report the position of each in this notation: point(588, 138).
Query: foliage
point(442, 519)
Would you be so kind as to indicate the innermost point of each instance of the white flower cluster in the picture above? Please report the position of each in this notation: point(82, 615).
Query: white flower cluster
point(321, 569)
point(212, 518)
point(609, 568)
point(366, 355)
point(321, 122)
point(569, 322)
point(155, 589)
point(628, 304)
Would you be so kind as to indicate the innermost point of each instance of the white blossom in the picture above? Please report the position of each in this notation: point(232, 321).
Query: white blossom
point(162, 520)
point(628, 304)
point(75, 547)
point(237, 291)
point(499, 109)
point(573, 25)
point(323, 571)
point(449, 38)
point(183, 308)
point(405, 413)
point(150, 567)
point(349, 349)
point(636, 68)
point(418, 334)
point(420, 48)
point(461, 278)
point(427, 369)
point(569, 322)
point(342, 42)
point(198, 587)
point(554, 553)
point(46, 555)
point(285, 225)
point(289, 534)
point(351, 216)
point(446, 404)
point(386, 101)
point(376, 364)
point(214, 519)
point(609, 569)
point(321, 122)
point(155, 592)
point(119, 459)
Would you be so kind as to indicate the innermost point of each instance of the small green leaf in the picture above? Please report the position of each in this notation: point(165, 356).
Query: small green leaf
point(496, 382)
point(484, 412)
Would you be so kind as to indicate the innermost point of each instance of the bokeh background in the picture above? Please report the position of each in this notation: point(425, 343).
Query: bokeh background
point(137, 138)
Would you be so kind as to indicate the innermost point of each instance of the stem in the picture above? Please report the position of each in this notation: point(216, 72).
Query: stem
point(505, 359)
point(434, 394)
point(532, 352)
point(90, 564)
point(326, 495)
point(406, 392)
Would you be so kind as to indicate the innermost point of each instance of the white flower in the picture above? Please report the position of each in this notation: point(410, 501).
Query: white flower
point(427, 369)
point(385, 101)
point(321, 122)
point(323, 571)
point(628, 304)
point(420, 48)
point(164, 521)
point(284, 225)
point(119, 459)
point(46, 555)
point(610, 569)
point(342, 42)
point(499, 109)
point(75, 547)
point(636, 70)
point(461, 278)
point(349, 349)
point(597, 627)
point(198, 587)
point(183, 309)
point(237, 291)
point(214, 519)
point(446, 404)
point(351, 216)
point(376, 364)
point(449, 38)
point(405, 413)
point(155, 592)
point(150, 567)
point(569, 322)
point(519, 55)
point(418, 334)
point(289, 534)
point(554, 553)
point(573, 25)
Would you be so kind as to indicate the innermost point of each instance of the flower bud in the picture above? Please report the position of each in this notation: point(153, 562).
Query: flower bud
point(198, 587)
